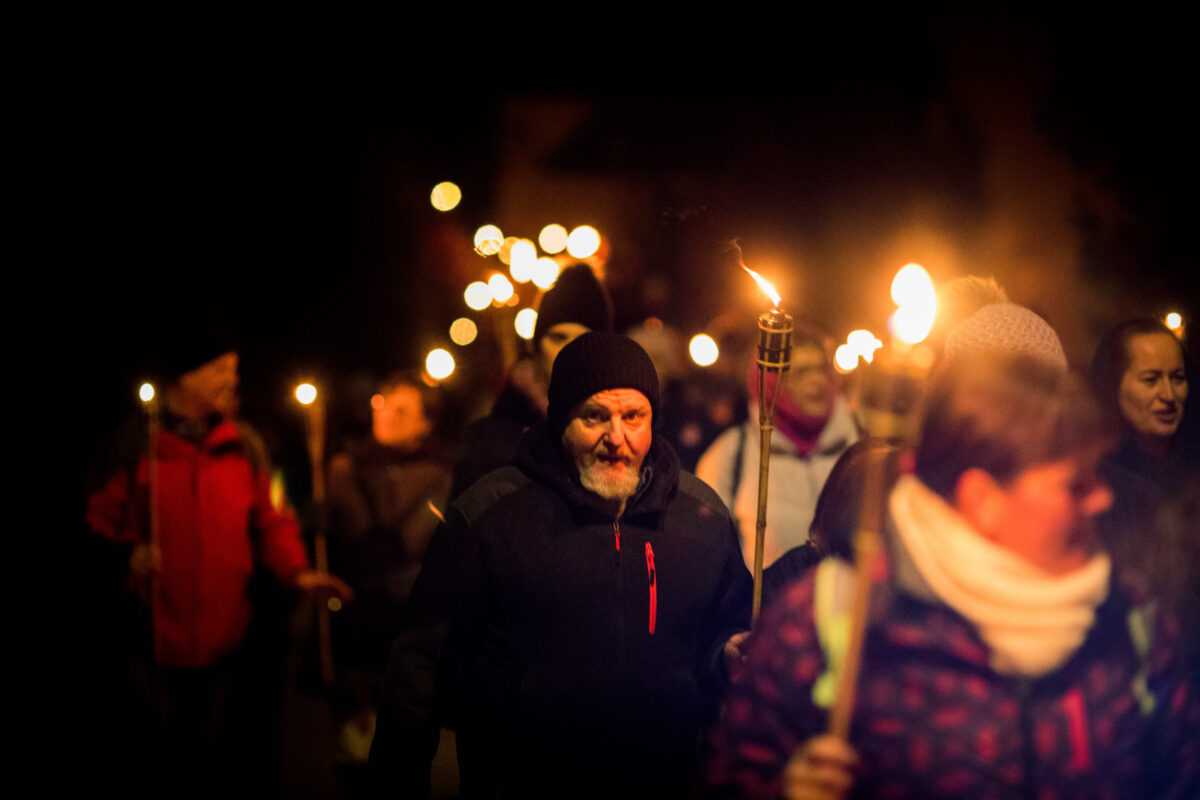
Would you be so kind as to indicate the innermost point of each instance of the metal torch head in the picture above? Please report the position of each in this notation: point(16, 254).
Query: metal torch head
point(775, 340)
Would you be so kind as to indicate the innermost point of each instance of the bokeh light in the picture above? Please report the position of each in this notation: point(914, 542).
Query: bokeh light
point(502, 288)
point(913, 286)
point(439, 364)
point(911, 323)
point(845, 358)
point(863, 344)
point(583, 242)
point(521, 260)
point(463, 331)
point(506, 247)
point(488, 240)
point(703, 350)
point(445, 196)
point(553, 238)
point(545, 272)
point(146, 392)
point(1174, 320)
point(306, 394)
point(525, 323)
point(478, 295)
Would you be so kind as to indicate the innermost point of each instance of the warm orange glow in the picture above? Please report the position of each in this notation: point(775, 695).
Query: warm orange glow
point(506, 249)
point(913, 292)
point(525, 322)
point(306, 394)
point(146, 392)
point(863, 344)
point(478, 295)
point(502, 288)
point(765, 286)
point(703, 350)
point(463, 331)
point(553, 238)
point(377, 401)
point(545, 272)
point(445, 196)
point(439, 364)
point(845, 358)
point(583, 242)
point(521, 259)
point(488, 240)
point(1174, 320)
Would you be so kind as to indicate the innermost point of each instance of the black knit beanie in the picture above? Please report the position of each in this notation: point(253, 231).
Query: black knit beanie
point(189, 342)
point(577, 296)
point(595, 362)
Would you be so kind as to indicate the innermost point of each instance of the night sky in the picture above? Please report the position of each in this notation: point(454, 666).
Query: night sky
point(1061, 161)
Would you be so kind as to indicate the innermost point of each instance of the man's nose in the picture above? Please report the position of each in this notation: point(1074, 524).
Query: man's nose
point(615, 435)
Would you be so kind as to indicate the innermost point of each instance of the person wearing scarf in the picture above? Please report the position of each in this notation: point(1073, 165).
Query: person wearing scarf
point(1006, 653)
point(813, 427)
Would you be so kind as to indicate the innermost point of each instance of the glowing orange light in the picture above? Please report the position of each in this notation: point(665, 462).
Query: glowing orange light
point(765, 286)
point(703, 350)
point(863, 344)
point(146, 392)
point(525, 323)
point(845, 358)
point(306, 394)
point(506, 249)
point(583, 242)
point(553, 238)
point(1174, 320)
point(439, 364)
point(502, 288)
point(521, 260)
point(463, 331)
point(488, 240)
point(445, 196)
point(478, 295)
point(377, 401)
point(913, 292)
point(545, 272)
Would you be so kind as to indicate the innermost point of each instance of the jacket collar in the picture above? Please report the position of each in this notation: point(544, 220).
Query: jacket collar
point(541, 457)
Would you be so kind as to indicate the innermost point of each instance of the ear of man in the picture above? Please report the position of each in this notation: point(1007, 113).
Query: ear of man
point(980, 499)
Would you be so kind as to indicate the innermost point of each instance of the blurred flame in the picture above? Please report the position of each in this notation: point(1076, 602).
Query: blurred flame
point(583, 242)
point(439, 364)
point(1174, 320)
point(913, 292)
point(478, 295)
point(502, 288)
point(764, 285)
point(463, 331)
point(146, 392)
point(306, 394)
point(525, 322)
point(845, 358)
point(703, 350)
point(488, 240)
point(545, 272)
point(445, 196)
point(912, 323)
point(863, 344)
point(553, 238)
point(506, 249)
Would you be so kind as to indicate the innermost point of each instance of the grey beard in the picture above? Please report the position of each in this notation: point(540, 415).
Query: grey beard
point(609, 488)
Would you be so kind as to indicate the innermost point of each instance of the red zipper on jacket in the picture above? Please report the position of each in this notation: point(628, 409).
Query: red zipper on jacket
point(617, 537)
point(652, 574)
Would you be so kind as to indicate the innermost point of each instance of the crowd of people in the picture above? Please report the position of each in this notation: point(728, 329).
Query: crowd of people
point(574, 605)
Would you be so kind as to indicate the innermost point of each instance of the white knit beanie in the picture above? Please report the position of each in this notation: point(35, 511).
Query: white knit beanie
point(1006, 328)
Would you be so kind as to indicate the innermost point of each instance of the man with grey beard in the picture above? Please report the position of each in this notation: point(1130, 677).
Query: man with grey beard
point(579, 609)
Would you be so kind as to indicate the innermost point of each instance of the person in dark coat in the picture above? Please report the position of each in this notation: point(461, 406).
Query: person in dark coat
point(587, 599)
point(1004, 654)
point(576, 304)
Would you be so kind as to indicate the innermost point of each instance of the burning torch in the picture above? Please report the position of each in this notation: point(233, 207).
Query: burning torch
point(314, 419)
point(893, 390)
point(149, 398)
point(774, 355)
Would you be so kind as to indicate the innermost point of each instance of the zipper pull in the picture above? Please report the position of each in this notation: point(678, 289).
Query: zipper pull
point(652, 576)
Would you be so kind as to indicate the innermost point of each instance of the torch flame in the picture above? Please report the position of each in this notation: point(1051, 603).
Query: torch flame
point(764, 285)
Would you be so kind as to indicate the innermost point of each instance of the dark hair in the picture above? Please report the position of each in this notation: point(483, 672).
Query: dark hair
point(839, 511)
point(1111, 359)
point(431, 397)
point(1003, 415)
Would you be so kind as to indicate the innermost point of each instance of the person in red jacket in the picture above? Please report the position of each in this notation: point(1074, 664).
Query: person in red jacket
point(216, 527)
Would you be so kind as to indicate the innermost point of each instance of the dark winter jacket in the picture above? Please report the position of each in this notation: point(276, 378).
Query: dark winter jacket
point(933, 719)
point(216, 522)
point(491, 442)
point(586, 649)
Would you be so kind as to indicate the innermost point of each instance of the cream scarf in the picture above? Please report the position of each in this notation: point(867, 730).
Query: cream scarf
point(1033, 621)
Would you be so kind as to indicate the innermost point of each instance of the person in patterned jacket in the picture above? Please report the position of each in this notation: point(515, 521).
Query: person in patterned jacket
point(1005, 654)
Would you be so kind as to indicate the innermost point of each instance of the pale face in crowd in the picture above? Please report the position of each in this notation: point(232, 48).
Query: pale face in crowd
point(809, 384)
point(1154, 388)
point(555, 339)
point(1043, 514)
point(209, 389)
point(608, 437)
point(398, 417)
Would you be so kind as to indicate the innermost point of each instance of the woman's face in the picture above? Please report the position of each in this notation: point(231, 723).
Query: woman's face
point(1154, 388)
point(809, 384)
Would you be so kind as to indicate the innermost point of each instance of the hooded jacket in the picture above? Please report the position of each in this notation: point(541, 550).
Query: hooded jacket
point(215, 520)
point(585, 649)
